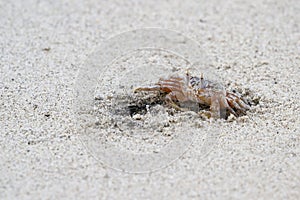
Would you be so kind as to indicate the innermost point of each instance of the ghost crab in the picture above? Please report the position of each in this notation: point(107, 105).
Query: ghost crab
point(199, 90)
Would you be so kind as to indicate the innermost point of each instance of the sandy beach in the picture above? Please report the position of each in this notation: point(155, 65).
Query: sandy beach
point(133, 145)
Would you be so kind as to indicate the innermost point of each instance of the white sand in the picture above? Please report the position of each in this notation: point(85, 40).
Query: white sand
point(254, 45)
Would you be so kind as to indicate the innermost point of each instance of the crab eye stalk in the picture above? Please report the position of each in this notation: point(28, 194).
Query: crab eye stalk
point(187, 72)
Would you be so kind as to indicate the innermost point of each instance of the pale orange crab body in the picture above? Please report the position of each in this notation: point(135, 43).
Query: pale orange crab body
point(199, 90)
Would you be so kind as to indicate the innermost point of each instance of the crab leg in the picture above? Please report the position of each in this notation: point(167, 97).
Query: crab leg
point(150, 88)
point(215, 107)
point(165, 85)
point(219, 105)
point(237, 103)
point(243, 104)
point(169, 99)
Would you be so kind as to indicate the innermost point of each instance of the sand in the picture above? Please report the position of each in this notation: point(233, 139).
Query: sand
point(252, 47)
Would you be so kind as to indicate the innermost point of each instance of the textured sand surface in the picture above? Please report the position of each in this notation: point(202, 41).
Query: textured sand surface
point(253, 45)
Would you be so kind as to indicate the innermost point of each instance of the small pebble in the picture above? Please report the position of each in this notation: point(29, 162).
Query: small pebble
point(137, 116)
point(99, 97)
point(231, 118)
point(243, 119)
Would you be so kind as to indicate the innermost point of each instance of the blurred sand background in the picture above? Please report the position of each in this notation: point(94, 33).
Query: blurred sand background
point(254, 44)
